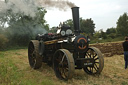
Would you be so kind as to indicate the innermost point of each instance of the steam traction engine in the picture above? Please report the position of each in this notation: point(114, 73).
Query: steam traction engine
point(65, 51)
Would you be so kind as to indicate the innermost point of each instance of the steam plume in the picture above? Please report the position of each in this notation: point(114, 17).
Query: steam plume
point(29, 7)
point(60, 4)
point(25, 7)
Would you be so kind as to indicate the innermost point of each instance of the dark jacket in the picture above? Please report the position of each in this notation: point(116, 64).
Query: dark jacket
point(125, 45)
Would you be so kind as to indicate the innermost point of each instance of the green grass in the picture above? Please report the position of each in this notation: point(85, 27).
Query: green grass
point(8, 71)
point(15, 70)
point(47, 82)
point(12, 74)
point(124, 83)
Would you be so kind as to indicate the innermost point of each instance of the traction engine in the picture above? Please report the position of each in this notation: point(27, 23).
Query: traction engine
point(65, 51)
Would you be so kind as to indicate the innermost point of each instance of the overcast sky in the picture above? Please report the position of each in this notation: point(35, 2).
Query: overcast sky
point(104, 13)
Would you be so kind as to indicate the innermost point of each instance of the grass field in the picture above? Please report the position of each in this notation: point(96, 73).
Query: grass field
point(15, 70)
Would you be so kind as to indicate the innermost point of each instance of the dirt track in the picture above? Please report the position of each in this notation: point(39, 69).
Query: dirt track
point(110, 48)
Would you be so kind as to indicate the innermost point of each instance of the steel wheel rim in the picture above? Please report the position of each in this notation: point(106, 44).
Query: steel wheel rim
point(32, 55)
point(62, 65)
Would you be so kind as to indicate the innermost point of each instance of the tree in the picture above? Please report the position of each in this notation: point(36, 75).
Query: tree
point(111, 30)
point(111, 33)
point(122, 25)
point(87, 26)
point(103, 35)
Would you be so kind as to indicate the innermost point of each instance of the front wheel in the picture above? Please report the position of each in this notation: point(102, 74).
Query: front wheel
point(63, 64)
point(96, 55)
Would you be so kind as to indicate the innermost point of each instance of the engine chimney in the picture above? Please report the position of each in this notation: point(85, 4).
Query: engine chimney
point(76, 21)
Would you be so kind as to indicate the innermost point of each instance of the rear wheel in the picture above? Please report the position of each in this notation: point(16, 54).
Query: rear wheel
point(98, 65)
point(63, 64)
point(35, 60)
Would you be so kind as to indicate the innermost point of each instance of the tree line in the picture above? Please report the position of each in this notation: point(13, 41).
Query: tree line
point(111, 34)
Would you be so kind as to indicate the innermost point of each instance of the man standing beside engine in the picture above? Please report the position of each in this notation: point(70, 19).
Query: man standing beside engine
point(125, 48)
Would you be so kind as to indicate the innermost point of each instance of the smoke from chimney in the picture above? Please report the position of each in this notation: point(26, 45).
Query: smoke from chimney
point(25, 7)
point(29, 7)
point(60, 4)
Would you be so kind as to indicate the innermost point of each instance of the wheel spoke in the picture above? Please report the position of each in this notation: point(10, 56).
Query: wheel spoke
point(92, 69)
point(89, 55)
point(96, 58)
point(62, 59)
point(97, 62)
point(66, 72)
point(96, 66)
point(94, 55)
point(89, 68)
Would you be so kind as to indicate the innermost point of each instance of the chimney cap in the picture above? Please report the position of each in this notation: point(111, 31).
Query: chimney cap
point(75, 7)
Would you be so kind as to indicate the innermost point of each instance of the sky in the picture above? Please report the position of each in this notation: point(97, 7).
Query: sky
point(104, 13)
